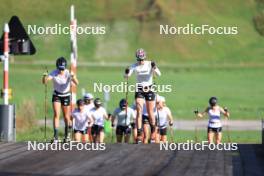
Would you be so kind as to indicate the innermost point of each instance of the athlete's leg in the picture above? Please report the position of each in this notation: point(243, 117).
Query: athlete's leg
point(164, 138)
point(119, 134)
point(218, 137)
point(210, 136)
point(135, 133)
point(139, 106)
point(119, 138)
point(89, 131)
point(150, 107)
point(127, 135)
point(158, 137)
point(127, 138)
point(77, 136)
point(66, 114)
point(85, 136)
point(101, 136)
point(146, 133)
point(56, 118)
point(93, 132)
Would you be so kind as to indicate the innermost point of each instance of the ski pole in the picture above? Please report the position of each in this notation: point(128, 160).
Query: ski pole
point(227, 126)
point(156, 107)
point(112, 127)
point(112, 135)
point(71, 105)
point(195, 129)
point(171, 134)
point(45, 106)
point(126, 72)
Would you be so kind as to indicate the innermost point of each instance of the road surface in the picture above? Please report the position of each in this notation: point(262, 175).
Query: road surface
point(130, 159)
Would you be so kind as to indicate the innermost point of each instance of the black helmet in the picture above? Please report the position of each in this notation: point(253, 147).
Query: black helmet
point(122, 103)
point(80, 102)
point(212, 101)
point(61, 63)
point(97, 102)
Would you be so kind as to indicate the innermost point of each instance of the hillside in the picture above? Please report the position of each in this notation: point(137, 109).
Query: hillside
point(133, 24)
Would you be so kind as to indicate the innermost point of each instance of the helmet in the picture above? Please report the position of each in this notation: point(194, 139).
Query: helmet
point(212, 101)
point(80, 102)
point(61, 63)
point(122, 103)
point(88, 96)
point(140, 54)
point(160, 99)
point(97, 102)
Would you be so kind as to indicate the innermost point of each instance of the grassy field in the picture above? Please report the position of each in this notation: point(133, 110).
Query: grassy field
point(240, 89)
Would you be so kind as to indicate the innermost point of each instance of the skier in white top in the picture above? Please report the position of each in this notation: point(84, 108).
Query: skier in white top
point(163, 116)
point(81, 119)
point(61, 98)
point(124, 116)
point(88, 106)
point(99, 115)
point(214, 111)
point(144, 71)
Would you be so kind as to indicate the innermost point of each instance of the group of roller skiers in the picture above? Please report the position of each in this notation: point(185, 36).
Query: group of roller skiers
point(147, 119)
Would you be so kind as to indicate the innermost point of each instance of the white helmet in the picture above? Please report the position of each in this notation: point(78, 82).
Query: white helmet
point(88, 96)
point(140, 54)
point(160, 98)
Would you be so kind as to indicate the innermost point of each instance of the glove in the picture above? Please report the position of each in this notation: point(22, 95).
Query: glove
point(127, 71)
point(109, 115)
point(171, 123)
point(196, 112)
point(225, 109)
point(153, 64)
point(72, 75)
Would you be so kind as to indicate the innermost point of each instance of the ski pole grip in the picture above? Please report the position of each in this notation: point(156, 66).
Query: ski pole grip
point(126, 71)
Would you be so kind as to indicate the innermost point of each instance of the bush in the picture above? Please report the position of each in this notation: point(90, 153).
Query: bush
point(259, 23)
point(26, 116)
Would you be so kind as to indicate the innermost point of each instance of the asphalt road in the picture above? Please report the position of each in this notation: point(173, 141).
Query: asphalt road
point(130, 159)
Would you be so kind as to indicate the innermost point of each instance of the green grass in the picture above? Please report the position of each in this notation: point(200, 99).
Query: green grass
point(241, 90)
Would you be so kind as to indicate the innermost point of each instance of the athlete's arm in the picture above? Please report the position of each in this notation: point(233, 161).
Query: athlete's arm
point(170, 118)
point(202, 114)
point(91, 120)
point(74, 79)
point(46, 78)
point(105, 115)
point(113, 117)
point(155, 69)
point(224, 111)
point(129, 71)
